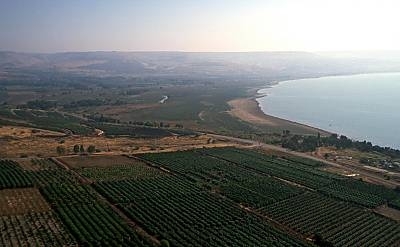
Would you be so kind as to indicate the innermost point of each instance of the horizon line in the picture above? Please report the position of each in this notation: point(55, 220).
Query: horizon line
point(183, 51)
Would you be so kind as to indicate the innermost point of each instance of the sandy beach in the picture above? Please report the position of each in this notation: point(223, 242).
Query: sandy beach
point(247, 109)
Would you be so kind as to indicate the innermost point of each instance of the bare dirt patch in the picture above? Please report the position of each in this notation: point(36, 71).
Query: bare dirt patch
point(24, 132)
point(22, 201)
point(45, 146)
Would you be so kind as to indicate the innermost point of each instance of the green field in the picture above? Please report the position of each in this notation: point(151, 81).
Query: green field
point(204, 197)
point(78, 215)
point(308, 203)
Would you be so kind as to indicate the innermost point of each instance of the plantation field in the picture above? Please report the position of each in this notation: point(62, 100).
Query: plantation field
point(98, 161)
point(22, 201)
point(13, 176)
point(238, 183)
point(308, 175)
point(201, 197)
point(51, 120)
point(119, 172)
point(310, 202)
point(337, 222)
point(64, 213)
point(109, 168)
point(34, 229)
point(178, 210)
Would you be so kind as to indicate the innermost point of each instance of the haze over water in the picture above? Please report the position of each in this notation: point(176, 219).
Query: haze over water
point(362, 107)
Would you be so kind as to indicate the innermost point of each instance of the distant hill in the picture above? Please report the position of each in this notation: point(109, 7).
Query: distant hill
point(208, 64)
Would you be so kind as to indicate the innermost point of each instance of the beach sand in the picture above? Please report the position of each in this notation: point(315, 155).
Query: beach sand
point(248, 110)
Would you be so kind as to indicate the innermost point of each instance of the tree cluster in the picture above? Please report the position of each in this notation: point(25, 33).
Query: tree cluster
point(310, 143)
point(80, 149)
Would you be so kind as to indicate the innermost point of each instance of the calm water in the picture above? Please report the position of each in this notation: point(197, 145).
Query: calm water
point(363, 107)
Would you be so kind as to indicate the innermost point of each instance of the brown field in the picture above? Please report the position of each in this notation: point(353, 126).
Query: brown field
point(22, 201)
point(97, 161)
point(118, 110)
point(45, 146)
point(23, 132)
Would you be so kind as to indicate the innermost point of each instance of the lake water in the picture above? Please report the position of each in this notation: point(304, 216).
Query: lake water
point(362, 107)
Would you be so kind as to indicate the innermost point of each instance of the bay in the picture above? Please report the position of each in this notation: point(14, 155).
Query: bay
point(362, 107)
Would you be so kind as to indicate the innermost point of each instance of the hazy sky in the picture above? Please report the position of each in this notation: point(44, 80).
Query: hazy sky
point(199, 25)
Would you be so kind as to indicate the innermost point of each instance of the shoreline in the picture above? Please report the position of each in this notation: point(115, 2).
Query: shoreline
point(257, 92)
point(249, 110)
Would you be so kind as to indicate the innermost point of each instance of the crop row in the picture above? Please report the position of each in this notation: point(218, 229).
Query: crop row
point(89, 220)
point(340, 223)
point(359, 192)
point(346, 189)
point(83, 214)
point(278, 167)
point(22, 201)
point(119, 172)
point(240, 184)
point(13, 176)
point(176, 209)
point(33, 229)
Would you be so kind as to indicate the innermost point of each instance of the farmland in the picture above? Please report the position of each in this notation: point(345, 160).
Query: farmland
point(339, 223)
point(201, 197)
point(178, 149)
point(96, 161)
point(21, 201)
point(185, 215)
point(64, 213)
point(306, 174)
point(305, 201)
